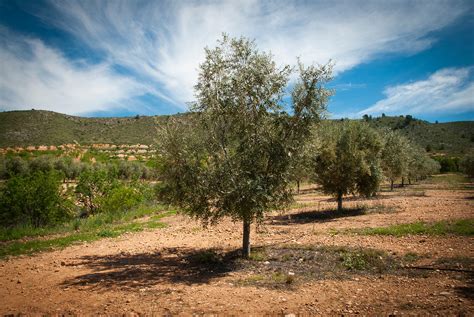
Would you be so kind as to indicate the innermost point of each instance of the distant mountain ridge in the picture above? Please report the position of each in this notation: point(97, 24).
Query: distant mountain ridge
point(39, 127)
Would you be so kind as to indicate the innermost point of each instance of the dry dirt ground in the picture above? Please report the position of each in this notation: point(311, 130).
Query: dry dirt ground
point(185, 269)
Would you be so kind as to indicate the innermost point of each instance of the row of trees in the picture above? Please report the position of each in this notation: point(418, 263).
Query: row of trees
point(72, 169)
point(350, 157)
point(244, 147)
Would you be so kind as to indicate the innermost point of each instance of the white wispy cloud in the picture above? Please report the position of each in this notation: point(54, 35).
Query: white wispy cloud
point(161, 42)
point(448, 90)
point(37, 76)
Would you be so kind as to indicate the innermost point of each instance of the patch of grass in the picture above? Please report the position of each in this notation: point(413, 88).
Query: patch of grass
point(291, 264)
point(207, 257)
point(258, 255)
point(450, 178)
point(254, 278)
point(91, 231)
point(94, 222)
point(276, 279)
point(410, 257)
point(33, 246)
point(464, 227)
point(360, 259)
point(155, 225)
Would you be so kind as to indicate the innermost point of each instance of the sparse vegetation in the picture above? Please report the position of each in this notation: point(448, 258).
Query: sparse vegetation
point(82, 230)
point(464, 227)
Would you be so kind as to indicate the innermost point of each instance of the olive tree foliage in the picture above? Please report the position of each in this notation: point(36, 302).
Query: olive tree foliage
point(301, 167)
point(347, 159)
point(467, 164)
point(395, 156)
point(232, 156)
point(420, 165)
point(93, 184)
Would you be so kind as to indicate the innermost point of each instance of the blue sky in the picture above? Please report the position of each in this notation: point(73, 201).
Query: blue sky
point(117, 58)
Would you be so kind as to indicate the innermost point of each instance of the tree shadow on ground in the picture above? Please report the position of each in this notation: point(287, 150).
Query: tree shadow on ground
point(316, 216)
point(467, 291)
point(170, 265)
point(360, 198)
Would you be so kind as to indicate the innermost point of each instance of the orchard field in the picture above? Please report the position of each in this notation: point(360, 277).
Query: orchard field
point(404, 252)
point(252, 203)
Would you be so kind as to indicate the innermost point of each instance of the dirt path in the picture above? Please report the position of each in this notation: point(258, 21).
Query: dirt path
point(153, 271)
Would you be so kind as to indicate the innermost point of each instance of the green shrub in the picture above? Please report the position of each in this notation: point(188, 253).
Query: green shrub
point(33, 200)
point(129, 170)
point(16, 166)
point(41, 164)
point(121, 198)
point(92, 187)
point(70, 168)
point(448, 164)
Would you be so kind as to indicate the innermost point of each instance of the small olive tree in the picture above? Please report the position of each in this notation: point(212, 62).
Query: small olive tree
point(232, 156)
point(467, 164)
point(395, 156)
point(420, 165)
point(347, 159)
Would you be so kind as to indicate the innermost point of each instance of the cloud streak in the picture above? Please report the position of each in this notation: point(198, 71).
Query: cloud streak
point(448, 90)
point(37, 76)
point(160, 44)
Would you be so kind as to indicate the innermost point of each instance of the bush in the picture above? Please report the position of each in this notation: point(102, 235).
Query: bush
point(93, 185)
point(129, 170)
point(121, 198)
point(41, 164)
point(33, 200)
point(448, 164)
point(70, 168)
point(16, 166)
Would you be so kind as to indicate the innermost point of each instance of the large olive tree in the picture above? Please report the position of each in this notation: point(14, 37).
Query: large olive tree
point(347, 159)
point(232, 155)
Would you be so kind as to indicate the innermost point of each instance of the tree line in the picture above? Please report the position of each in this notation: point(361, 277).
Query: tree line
point(70, 169)
point(253, 133)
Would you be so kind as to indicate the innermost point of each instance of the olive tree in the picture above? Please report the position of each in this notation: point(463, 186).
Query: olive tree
point(232, 155)
point(467, 164)
point(347, 159)
point(395, 157)
point(420, 165)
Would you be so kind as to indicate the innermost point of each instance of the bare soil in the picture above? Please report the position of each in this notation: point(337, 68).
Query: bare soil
point(298, 265)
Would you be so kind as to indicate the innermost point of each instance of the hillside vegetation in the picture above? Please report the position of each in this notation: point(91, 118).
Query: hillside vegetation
point(448, 137)
point(38, 127)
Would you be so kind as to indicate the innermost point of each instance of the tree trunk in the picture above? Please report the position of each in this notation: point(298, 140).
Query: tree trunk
point(409, 181)
point(339, 201)
point(298, 187)
point(246, 240)
point(391, 185)
point(403, 181)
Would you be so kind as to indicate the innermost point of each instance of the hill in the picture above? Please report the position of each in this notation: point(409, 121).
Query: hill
point(38, 127)
point(448, 137)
